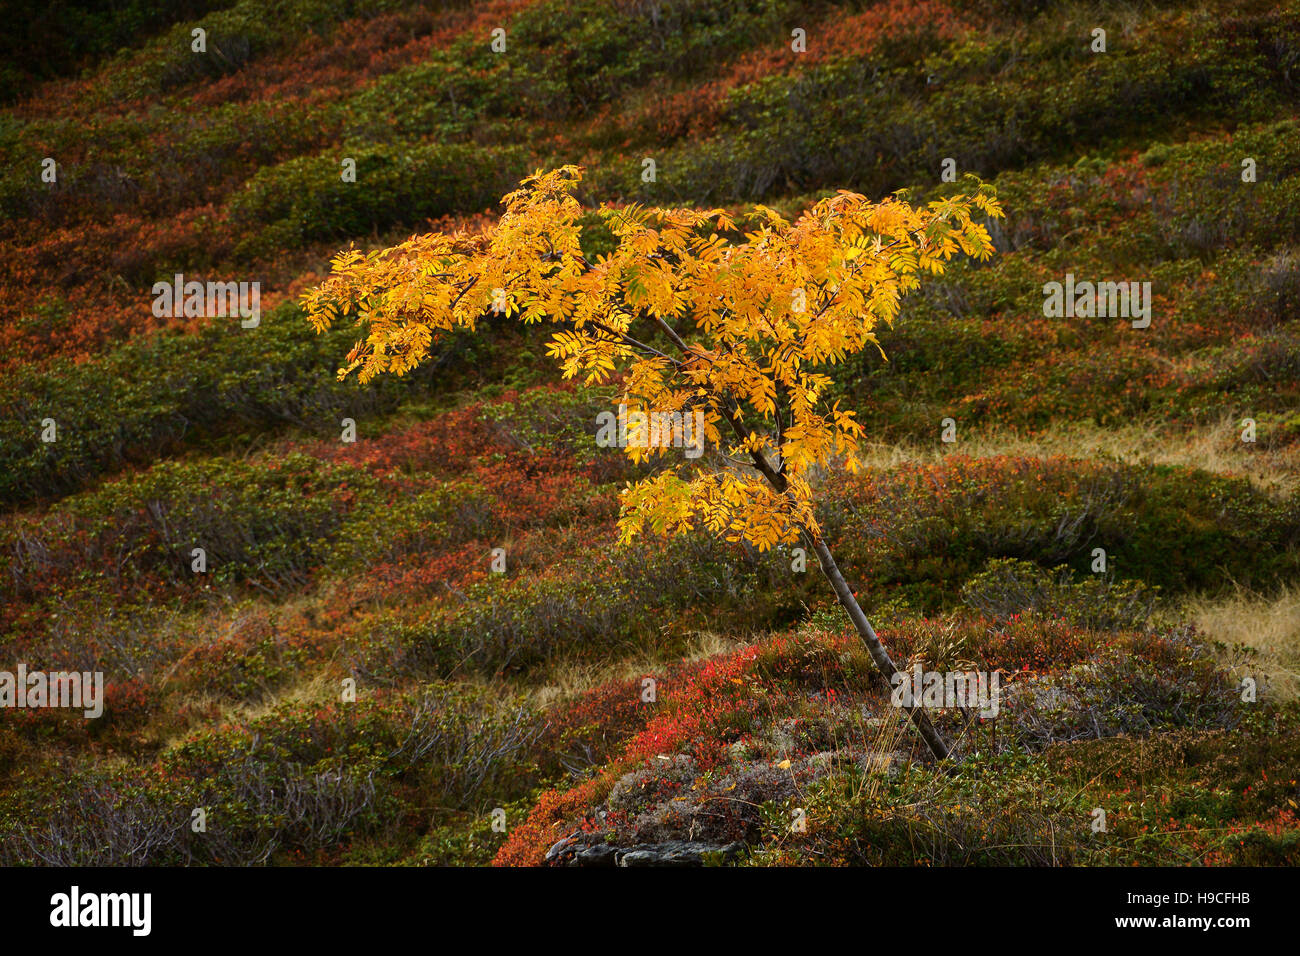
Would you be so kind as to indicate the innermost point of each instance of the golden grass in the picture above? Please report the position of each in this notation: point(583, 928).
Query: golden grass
point(1217, 448)
point(1270, 626)
point(568, 679)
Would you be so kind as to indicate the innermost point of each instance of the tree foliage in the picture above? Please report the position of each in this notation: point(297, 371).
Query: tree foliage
point(691, 312)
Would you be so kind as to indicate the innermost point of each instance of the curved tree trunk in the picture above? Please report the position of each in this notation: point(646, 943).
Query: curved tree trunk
point(938, 746)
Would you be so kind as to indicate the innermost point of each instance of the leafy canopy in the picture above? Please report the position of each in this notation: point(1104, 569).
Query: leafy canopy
point(688, 313)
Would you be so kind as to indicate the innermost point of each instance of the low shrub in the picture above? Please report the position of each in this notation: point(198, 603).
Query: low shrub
point(1008, 587)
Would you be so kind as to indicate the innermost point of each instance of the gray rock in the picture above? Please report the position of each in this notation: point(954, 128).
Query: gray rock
point(561, 848)
point(674, 853)
point(601, 854)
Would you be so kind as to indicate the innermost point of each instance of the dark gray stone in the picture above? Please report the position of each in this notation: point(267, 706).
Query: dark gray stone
point(601, 854)
point(674, 853)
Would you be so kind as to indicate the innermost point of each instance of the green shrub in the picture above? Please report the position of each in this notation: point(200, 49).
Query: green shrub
point(1138, 687)
point(264, 524)
point(996, 103)
point(930, 529)
point(306, 198)
point(1007, 587)
point(298, 780)
point(152, 397)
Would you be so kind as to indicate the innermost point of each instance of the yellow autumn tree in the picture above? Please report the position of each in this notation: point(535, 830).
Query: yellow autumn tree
point(693, 317)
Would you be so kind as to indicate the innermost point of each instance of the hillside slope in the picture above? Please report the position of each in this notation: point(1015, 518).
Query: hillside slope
point(1172, 158)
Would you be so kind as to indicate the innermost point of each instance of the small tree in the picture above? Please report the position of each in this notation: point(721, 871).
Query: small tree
point(699, 318)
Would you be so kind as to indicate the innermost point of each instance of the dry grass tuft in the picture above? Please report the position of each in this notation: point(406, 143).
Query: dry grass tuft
point(1268, 625)
point(1217, 448)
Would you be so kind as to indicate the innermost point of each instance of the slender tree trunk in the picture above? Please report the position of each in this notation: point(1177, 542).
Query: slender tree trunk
point(777, 479)
point(938, 746)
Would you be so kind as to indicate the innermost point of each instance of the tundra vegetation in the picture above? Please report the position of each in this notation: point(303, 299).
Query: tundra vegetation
point(465, 563)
